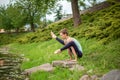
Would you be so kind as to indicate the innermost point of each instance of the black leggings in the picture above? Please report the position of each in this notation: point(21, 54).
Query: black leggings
point(68, 45)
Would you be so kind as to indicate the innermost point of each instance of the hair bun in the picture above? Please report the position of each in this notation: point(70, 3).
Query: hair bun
point(65, 29)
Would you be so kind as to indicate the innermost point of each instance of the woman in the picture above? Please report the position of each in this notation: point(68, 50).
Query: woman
point(73, 46)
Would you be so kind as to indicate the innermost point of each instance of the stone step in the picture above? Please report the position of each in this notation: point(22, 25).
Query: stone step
point(61, 63)
point(45, 67)
point(112, 75)
point(72, 65)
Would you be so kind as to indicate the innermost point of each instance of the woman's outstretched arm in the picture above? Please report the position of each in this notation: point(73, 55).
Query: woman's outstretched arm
point(58, 39)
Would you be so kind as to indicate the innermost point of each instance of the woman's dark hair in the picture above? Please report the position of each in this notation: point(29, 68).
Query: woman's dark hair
point(64, 31)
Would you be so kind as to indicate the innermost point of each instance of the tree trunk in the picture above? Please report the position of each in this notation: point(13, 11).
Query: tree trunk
point(17, 30)
point(32, 27)
point(32, 23)
point(76, 14)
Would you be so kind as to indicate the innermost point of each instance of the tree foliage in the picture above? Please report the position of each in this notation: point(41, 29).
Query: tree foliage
point(58, 12)
point(84, 4)
point(12, 17)
point(5, 19)
point(24, 12)
point(17, 16)
point(35, 9)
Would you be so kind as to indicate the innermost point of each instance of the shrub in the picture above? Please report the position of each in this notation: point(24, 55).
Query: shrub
point(103, 25)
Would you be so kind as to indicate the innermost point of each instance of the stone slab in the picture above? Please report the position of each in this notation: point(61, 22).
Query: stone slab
point(61, 63)
point(77, 67)
point(112, 75)
point(45, 67)
point(88, 77)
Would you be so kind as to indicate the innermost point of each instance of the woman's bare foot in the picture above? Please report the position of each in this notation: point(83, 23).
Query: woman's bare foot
point(74, 60)
point(69, 59)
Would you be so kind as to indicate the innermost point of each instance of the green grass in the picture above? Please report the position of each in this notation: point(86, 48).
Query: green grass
point(97, 58)
point(38, 53)
point(58, 74)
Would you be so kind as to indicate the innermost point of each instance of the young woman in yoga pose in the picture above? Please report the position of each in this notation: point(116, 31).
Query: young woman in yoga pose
point(73, 46)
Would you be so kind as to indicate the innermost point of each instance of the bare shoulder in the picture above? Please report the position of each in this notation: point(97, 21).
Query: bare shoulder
point(70, 39)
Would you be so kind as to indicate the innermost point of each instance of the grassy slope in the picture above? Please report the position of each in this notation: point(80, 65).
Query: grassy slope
point(97, 59)
point(103, 25)
point(97, 28)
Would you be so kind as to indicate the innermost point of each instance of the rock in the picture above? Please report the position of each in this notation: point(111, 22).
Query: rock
point(5, 67)
point(58, 63)
point(1, 62)
point(22, 55)
point(72, 65)
point(94, 77)
point(9, 65)
point(85, 77)
point(45, 67)
point(61, 63)
point(112, 75)
point(69, 64)
point(4, 52)
point(27, 79)
point(77, 67)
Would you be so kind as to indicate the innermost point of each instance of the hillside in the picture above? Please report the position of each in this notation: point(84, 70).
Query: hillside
point(103, 25)
point(97, 58)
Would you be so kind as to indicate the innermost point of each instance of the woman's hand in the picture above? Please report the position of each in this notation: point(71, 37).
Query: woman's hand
point(53, 35)
point(57, 51)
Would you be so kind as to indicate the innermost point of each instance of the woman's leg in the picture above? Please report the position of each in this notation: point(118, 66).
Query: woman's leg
point(70, 53)
point(72, 44)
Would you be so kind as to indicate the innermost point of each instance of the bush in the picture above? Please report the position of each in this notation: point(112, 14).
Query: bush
point(103, 25)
